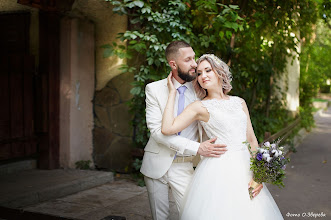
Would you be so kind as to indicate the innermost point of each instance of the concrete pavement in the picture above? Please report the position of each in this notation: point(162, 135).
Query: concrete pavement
point(35, 186)
point(119, 198)
point(306, 195)
point(307, 192)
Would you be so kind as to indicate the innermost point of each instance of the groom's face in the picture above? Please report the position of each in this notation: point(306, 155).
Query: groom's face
point(186, 64)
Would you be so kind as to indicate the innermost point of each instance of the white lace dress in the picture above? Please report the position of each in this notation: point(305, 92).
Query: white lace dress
point(219, 188)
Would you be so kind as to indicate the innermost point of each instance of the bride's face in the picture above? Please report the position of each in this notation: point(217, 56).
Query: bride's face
point(207, 78)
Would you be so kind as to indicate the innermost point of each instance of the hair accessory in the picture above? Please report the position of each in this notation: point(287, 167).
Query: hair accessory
point(212, 56)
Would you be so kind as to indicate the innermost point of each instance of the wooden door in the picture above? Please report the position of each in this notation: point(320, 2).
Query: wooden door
point(17, 137)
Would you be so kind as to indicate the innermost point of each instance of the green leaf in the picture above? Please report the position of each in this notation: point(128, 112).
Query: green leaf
point(139, 4)
point(135, 21)
point(228, 34)
point(234, 7)
point(145, 10)
point(106, 46)
point(150, 61)
point(135, 90)
point(156, 47)
point(221, 34)
point(225, 11)
point(231, 25)
point(258, 23)
point(211, 13)
point(116, 9)
point(116, 2)
point(107, 52)
point(121, 47)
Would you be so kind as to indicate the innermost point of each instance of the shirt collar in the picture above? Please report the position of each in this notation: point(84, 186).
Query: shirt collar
point(188, 85)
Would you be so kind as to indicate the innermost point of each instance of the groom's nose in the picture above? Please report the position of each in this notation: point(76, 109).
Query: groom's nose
point(194, 64)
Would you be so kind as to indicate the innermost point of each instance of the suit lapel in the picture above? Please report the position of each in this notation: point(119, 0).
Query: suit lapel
point(163, 94)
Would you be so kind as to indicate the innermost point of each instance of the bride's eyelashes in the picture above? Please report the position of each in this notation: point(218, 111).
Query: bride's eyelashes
point(207, 70)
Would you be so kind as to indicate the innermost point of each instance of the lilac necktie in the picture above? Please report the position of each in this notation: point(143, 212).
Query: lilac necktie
point(181, 100)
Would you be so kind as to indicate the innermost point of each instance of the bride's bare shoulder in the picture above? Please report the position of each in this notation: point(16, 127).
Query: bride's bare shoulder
point(200, 110)
point(197, 105)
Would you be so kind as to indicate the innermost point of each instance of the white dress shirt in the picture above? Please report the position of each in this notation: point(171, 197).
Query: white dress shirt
point(191, 132)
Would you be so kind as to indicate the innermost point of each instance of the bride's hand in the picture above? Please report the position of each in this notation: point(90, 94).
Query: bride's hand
point(257, 190)
point(171, 86)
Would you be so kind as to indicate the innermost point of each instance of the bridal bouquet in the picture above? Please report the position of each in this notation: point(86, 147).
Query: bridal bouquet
point(268, 165)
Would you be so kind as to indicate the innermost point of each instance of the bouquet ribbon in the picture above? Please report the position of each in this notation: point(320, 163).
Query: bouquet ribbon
point(252, 187)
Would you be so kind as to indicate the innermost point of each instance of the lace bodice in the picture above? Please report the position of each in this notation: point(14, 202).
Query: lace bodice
point(227, 122)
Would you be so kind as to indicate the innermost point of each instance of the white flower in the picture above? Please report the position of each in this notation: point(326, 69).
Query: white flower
point(280, 152)
point(275, 152)
point(261, 150)
point(264, 156)
point(281, 148)
point(267, 144)
point(273, 146)
point(268, 159)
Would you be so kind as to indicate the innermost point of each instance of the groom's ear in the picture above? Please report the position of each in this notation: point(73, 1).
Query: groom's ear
point(173, 64)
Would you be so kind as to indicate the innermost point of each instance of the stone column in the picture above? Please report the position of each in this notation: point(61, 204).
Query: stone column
point(289, 83)
point(293, 81)
point(77, 81)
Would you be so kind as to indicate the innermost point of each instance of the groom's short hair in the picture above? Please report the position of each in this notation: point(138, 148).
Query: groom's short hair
point(172, 49)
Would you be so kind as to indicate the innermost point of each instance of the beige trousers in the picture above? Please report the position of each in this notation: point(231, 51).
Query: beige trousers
point(177, 178)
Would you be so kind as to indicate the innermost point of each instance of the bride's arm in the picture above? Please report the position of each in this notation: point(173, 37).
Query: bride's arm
point(250, 135)
point(191, 113)
point(251, 138)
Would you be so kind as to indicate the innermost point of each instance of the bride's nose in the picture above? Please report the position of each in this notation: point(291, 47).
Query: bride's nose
point(203, 75)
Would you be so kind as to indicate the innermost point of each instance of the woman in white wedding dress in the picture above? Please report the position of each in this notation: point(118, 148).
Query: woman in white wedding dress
point(219, 187)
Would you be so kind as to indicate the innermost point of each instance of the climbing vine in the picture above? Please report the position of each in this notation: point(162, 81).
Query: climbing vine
point(253, 37)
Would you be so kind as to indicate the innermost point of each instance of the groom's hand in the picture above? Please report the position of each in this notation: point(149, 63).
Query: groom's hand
point(208, 149)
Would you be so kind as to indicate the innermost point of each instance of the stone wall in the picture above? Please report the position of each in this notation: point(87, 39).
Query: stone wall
point(107, 26)
point(112, 131)
point(80, 78)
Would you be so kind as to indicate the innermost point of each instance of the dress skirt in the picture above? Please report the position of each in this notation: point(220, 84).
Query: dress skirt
point(219, 191)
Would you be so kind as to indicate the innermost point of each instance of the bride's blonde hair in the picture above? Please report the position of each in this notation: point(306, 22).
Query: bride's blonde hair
point(219, 67)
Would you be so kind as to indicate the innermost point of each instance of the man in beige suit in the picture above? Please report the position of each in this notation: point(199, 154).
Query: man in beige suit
point(168, 160)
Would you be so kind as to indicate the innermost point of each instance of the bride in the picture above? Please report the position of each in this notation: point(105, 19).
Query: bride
point(219, 187)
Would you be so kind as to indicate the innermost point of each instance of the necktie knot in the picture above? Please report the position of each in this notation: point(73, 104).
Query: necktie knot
point(182, 89)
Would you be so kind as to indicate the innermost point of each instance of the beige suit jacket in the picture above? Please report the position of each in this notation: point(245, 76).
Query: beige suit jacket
point(161, 149)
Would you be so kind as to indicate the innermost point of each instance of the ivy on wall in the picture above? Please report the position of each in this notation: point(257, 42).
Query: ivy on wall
point(253, 37)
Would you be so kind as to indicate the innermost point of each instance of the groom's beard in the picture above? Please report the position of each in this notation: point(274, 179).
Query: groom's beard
point(186, 75)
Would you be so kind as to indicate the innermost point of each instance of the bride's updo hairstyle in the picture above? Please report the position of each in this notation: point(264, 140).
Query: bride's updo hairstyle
point(220, 68)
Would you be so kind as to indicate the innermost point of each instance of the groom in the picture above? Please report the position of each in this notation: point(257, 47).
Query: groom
point(168, 160)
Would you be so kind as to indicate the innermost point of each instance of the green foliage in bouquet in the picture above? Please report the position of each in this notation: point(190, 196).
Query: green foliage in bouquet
point(268, 164)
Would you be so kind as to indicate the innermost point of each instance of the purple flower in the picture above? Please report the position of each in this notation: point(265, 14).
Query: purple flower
point(283, 167)
point(259, 156)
